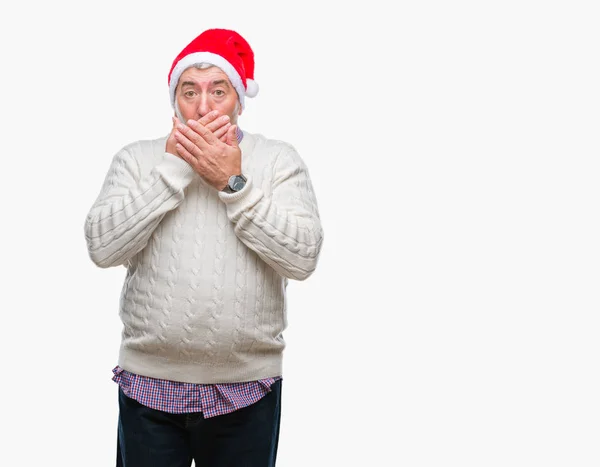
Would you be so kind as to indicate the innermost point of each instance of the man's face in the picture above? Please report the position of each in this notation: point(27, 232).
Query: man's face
point(201, 91)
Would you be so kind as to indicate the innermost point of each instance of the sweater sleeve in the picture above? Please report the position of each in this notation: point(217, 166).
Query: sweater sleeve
point(130, 206)
point(284, 229)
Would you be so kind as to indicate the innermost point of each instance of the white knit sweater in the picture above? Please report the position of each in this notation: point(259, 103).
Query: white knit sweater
point(204, 296)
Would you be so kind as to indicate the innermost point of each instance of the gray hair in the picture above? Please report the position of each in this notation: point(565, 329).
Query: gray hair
point(203, 65)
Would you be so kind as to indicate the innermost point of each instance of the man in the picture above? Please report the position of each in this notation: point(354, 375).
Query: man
point(210, 223)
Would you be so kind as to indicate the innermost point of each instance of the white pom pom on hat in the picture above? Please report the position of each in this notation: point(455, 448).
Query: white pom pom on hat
point(223, 48)
point(251, 88)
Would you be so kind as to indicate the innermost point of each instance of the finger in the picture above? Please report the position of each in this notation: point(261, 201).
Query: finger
point(206, 136)
point(218, 123)
point(232, 136)
point(188, 143)
point(186, 135)
point(209, 117)
point(186, 155)
point(174, 128)
point(221, 132)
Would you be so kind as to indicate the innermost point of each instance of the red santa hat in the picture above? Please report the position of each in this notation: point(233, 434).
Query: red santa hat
point(223, 48)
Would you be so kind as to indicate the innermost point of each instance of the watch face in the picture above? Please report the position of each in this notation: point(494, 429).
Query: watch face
point(238, 183)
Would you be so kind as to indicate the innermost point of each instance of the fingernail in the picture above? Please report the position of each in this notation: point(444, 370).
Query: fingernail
point(225, 118)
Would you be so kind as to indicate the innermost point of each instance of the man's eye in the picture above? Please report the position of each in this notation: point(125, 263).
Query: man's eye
point(220, 92)
point(189, 93)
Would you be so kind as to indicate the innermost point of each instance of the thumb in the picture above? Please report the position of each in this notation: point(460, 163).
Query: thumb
point(232, 136)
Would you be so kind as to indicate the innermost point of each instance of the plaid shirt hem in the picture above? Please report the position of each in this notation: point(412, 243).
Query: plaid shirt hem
point(180, 397)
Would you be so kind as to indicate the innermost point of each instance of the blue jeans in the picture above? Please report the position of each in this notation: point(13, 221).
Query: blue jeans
point(247, 437)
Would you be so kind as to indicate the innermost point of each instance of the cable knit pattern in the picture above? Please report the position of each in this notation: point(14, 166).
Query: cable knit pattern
point(204, 295)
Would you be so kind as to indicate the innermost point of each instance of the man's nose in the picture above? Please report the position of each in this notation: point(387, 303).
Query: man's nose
point(204, 105)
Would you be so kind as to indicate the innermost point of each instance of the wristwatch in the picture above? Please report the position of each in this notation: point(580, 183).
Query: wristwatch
point(235, 184)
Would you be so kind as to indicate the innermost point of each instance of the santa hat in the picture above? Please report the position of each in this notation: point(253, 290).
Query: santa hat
point(223, 48)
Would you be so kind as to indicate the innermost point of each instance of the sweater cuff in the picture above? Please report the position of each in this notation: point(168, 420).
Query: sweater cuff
point(175, 171)
point(241, 201)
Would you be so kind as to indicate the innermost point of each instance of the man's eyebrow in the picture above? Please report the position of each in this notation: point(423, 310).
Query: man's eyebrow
point(216, 82)
point(219, 82)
